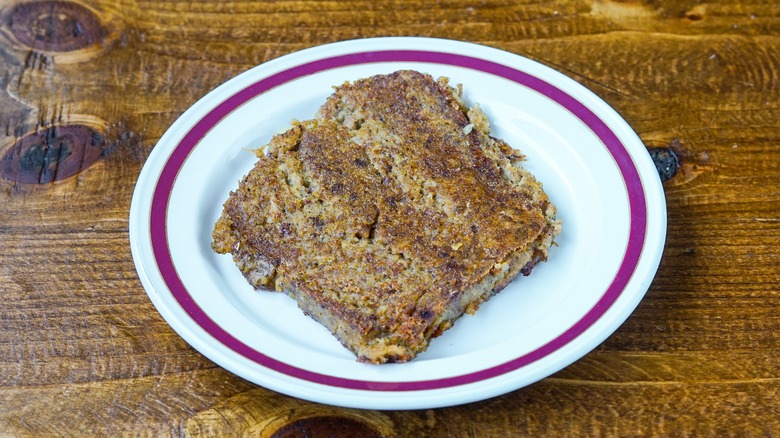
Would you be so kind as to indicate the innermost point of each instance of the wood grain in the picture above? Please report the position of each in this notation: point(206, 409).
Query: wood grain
point(84, 353)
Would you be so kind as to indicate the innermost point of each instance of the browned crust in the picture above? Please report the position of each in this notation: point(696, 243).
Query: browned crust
point(388, 216)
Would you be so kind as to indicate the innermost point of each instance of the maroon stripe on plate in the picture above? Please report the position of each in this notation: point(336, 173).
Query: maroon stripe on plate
point(166, 180)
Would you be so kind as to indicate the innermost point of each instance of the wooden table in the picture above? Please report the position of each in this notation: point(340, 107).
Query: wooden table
point(88, 87)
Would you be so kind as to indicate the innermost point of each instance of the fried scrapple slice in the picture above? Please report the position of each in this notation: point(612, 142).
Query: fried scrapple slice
point(387, 216)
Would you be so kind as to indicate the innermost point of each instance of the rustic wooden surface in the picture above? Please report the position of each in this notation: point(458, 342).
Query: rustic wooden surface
point(84, 353)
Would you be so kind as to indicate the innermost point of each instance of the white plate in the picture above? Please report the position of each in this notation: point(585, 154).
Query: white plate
point(593, 166)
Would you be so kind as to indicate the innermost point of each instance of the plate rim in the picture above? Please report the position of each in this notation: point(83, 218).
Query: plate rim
point(433, 51)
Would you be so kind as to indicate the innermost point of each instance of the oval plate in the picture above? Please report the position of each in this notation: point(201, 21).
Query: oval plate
point(593, 167)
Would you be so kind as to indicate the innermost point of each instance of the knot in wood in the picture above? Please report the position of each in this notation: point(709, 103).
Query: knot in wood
point(52, 154)
point(666, 162)
point(55, 26)
point(326, 426)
